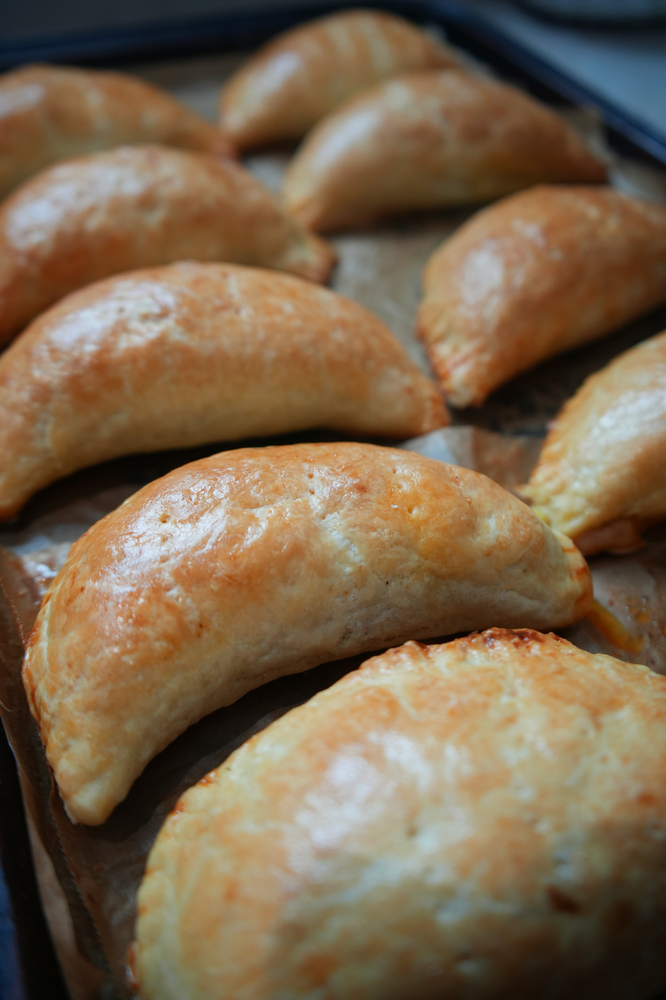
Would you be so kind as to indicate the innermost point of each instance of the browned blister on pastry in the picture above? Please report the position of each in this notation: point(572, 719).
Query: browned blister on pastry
point(262, 562)
point(138, 206)
point(539, 273)
point(50, 113)
point(301, 75)
point(478, 820)
point(426, 140)
point(192, 353)
point(601, 475)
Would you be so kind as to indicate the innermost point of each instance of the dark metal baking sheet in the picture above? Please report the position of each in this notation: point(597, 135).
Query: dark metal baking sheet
point(30, 969)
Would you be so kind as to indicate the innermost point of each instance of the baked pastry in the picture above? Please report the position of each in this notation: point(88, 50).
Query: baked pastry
point(301, 75)
point(262, 562)
point(192, 353)
point(138, 206)
point(479, 819)
point(50, 113)
point(430, 139)
point(539, 273)
point(601, 475)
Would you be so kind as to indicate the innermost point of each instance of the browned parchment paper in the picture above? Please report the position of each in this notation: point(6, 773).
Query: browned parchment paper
point(99, 868)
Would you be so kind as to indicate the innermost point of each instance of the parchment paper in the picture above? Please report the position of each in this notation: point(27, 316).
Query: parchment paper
point(100, 868)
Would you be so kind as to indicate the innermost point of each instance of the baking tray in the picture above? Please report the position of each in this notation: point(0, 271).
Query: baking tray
point(380, 268)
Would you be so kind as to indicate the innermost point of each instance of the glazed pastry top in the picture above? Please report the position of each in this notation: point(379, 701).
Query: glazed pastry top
point(260, 562)
point(193, 353)
point(430, 139)
point(301, 75)
point(138, 206)
point(536, 274)
point(50, 113)
point(472, 820)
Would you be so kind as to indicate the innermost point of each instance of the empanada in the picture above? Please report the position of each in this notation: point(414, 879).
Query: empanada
point(301, 75)
point(601, 476)
point(138, 206)
point(192, 353)
point(261, 562)
point(426, 140)
point(544, 271)
point(50, 113)
point(482, 819)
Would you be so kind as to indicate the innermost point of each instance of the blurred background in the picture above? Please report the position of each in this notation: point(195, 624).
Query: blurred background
point(615, 47)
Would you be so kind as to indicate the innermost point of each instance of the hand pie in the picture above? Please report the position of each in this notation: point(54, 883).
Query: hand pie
point(601, 476)
point(539, 273)
point(262, 562)
point(482, 819)
point(301, 75)
point(427, 140)
point(193, 353)
point(136, 207)
point(50, 113)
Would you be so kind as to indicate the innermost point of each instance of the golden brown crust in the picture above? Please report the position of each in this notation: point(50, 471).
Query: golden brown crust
point(50, 113)
point(539, 273)
point(430, 139)
point(601, 475)
point(261, 562)
point(139, 206)
point(481, 820)
point(301, 75)
point(192, 353)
